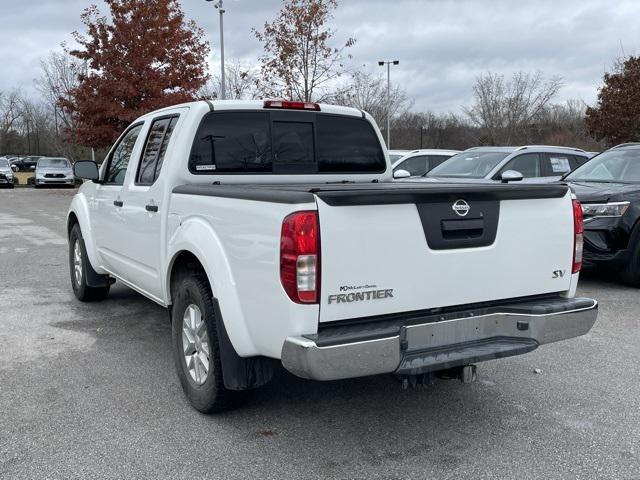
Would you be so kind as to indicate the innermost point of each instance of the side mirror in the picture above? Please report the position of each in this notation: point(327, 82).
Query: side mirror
point(86, 169)
point(14, 168)
point(401, 174)
point(32, 167)
point(511, 176)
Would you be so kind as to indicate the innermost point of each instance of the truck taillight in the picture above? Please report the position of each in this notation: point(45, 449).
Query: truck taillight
point(578, 240)
point(300, 256)
point(289, 105)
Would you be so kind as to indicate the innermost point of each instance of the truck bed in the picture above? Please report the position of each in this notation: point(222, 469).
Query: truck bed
point(400, 247)
point(343, 194)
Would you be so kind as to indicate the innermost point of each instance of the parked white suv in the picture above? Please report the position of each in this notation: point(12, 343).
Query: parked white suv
point(396, 154)
point(536, 163)
point(265, 229)
point(418, 162)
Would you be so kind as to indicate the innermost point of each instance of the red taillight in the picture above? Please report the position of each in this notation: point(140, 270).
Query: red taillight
point(300, 257)
point(578, 240)
point(289, 105)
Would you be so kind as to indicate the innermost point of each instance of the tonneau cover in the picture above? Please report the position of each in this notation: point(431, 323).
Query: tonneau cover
point(342, 194)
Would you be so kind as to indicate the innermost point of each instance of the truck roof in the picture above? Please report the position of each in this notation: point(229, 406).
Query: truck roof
point(222, 105)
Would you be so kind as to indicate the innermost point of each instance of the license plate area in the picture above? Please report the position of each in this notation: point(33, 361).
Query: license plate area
point(460, 330)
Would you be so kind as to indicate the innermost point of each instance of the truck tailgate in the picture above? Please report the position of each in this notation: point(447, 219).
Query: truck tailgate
point(390, 249)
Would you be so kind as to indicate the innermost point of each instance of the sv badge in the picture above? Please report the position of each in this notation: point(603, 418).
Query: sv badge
point(558, 273)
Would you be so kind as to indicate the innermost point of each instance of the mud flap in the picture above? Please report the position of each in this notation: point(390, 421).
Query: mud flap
point(241, 373)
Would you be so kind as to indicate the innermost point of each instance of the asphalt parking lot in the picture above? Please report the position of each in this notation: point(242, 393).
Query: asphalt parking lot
point(89, 391)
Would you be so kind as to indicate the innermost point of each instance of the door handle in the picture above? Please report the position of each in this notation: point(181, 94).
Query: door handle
point(118, 203)
point(151, 208)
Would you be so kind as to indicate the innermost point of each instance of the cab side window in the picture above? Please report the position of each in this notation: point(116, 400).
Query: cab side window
point(154, 150)
point(119, 159)
point(528, 164)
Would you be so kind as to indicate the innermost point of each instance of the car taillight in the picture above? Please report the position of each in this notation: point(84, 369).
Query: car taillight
point(578, 240)
point(289, 105)
point(300, 256)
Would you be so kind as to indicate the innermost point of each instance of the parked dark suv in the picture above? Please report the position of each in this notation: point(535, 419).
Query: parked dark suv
point(608, 186)
point(25, 164)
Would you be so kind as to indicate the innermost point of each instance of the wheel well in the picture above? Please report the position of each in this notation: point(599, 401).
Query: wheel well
point(71, 221)
point(184, 264)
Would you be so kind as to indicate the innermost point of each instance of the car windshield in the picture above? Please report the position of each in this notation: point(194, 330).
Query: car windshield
point(396, 156)
point(468, 165)
point(621, 165)
point(4, 163)
point(53, 163)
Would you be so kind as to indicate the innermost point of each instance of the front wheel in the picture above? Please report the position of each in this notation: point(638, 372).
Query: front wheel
point(195, 346)
point(78, 268)
point(631, 272)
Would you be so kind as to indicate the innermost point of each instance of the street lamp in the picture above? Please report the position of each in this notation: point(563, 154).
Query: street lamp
point(220, 8)
point(388, 64)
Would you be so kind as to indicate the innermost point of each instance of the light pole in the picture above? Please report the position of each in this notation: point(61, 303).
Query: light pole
point(220, 8)
point(388, 64)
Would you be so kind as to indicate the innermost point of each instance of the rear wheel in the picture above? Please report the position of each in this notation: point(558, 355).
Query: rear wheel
point(196, 348)
point(78, 268)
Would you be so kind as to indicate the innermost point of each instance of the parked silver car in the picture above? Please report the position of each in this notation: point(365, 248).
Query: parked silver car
point(7, 178)
point(418, 162)
point(54, 171)
point(535, 163)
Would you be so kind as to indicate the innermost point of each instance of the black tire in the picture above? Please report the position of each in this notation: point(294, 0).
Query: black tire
point(211, 395)
point(631, 274)
point(82, 291)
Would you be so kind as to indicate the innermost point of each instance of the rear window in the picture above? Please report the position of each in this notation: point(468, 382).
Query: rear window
point(293, 144)
point(253, 142)
point(348, 145)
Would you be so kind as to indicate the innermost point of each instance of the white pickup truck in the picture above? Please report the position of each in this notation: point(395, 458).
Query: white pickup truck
point(267, 230)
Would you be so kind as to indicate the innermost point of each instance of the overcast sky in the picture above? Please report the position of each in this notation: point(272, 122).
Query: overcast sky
point(441, 44)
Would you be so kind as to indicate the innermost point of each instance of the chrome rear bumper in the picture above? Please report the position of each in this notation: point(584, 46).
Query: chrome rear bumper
point(440, 342)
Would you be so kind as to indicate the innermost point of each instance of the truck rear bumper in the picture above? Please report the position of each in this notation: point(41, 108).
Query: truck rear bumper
point(419, 344)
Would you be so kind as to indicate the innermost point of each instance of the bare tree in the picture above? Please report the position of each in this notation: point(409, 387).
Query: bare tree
point(240, 82)
point(298, 62)
point(369, 93)
point(504, 110)
point(431, 130)
point(60, 75)
point(10, 113)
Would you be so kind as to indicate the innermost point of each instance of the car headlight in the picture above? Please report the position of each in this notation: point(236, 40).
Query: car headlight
point(614, 209)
